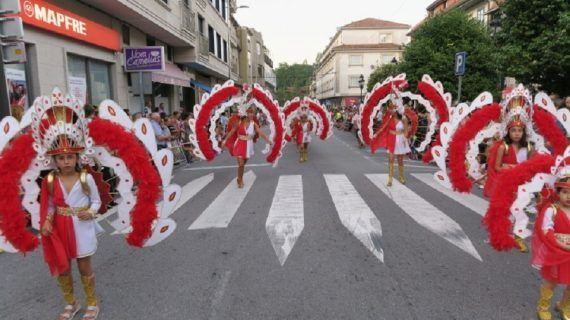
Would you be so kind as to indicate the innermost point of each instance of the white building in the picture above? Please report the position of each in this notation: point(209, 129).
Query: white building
point(356, 49)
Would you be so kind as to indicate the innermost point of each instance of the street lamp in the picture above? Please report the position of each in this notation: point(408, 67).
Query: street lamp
point(361, 83)
point(229, 53)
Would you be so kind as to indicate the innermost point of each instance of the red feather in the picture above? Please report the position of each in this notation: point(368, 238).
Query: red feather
point(478, 120)
point(277, 121)
point(497, 219)
point(372, 101)
point(413, 117)
point(14, 162)
point(202, 122)
point(547, 125)
point(145, 175)
point(436, 100)
point(326, 123)
point(491, 173)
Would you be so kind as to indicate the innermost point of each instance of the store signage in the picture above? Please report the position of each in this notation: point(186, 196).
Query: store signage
point(144, 59)
point(46, 16)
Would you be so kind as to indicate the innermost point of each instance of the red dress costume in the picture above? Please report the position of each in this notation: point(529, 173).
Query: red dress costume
point(509, 157)
point(384, 138)
point(553, 260)
point(239, 147)
point(298, 133)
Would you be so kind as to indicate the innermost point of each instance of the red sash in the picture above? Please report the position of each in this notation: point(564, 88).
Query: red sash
point(60, 247)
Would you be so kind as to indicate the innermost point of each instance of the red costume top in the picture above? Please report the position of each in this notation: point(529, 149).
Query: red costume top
point(298, 131)
point(546, 253)
point(509, 157)
point(384, 138)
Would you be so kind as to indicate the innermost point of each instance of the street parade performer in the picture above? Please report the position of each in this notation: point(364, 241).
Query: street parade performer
point(242, 133)
point(394, 135)
point(302, 129)
point(55, 137)
point(240, 140)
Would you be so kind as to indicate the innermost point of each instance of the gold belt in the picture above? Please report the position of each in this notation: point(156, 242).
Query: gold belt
point(244, 137)
point(68, 211)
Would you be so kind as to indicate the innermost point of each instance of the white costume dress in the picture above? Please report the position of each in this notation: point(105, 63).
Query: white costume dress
point(306, 132)
point(85, 231)
point(402, 145)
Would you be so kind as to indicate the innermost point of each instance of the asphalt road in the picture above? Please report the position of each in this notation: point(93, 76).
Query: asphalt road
point(428, 261)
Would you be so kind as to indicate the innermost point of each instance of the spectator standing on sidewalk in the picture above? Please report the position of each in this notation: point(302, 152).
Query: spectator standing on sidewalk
point(161, 136)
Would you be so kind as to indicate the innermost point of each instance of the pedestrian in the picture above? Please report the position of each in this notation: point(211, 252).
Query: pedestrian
point(224, 120)
point(394, 135)
point(162, 137)
point(240, 139)
point(567, 102)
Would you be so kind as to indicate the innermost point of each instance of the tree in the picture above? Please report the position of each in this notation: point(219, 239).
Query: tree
point(293, 80)
point(381, 73)
point(535, 43)
point(433, 48)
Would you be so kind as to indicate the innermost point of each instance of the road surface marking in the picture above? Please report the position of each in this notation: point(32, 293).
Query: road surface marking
point(228, 167)
point(221, 212)
point(425, 214)
point(468, 200)
point(286, 216)
point(192, 188)
point(355, 214)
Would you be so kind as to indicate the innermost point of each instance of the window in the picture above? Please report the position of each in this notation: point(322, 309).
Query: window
point(353, 81)
point(355, 60)
point(150, 41)
point(169, 53)
point(219, 45)
point(481, 14)
point(97, 76)
point(218, 5)
point(225, 51)
point(258, 48)
point(187, 3)
point(165, 1)
point(201, 23)
point(211, 40)
point(259, 71)
point(224, 14)
point(126, 32)
point(383, 38)
point(387, 59)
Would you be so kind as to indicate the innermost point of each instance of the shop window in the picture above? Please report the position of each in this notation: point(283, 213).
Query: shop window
point(126, 32)
point(96, 74)
point(211, 40)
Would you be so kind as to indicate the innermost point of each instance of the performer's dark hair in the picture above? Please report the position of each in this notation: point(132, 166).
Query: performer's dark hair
point(523, 143)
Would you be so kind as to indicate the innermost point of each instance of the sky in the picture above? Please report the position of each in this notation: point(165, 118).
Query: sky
point(295, 30)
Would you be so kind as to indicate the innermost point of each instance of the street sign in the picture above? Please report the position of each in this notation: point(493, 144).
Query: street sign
point(9, 7)
point(144, 59)
point(460, 63)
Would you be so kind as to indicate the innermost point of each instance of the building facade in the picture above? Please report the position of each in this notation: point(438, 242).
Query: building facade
point(356, 49)
point(78, 46)
point(485, 11)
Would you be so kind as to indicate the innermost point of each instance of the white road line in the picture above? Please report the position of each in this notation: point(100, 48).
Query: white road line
point(355, 214)
point(286, 216)
point(221, 212)
point(228, 167)
point(425, 214)
point(192, 188)
point(468, 200)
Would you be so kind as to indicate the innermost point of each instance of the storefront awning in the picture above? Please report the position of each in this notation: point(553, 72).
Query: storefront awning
point(201, 86)
point(172, 75)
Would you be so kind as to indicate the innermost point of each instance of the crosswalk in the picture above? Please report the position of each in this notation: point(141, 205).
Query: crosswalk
point(286, 217)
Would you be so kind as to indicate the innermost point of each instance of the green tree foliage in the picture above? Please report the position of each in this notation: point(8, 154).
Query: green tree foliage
point(433, 48)
point(293, 80)
point(535, 43)
point(381, 73)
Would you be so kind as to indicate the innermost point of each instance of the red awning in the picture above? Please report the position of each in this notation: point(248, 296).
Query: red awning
point(172, 75)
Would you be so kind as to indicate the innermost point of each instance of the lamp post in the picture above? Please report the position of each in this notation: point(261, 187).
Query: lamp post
point(361, 84)
point(229, 53)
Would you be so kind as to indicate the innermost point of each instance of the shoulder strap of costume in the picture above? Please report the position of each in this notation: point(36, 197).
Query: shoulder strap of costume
point(83, 181)
point(506, 147)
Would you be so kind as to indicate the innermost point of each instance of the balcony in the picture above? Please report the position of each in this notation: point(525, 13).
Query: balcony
point(162, 21)
point(188, 20)
point(204, 46)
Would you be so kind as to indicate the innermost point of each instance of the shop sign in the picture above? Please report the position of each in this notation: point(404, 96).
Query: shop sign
point(47, 16)
point(144, 59)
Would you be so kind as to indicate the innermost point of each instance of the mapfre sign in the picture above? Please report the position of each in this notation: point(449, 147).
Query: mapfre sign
point(49, 17)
